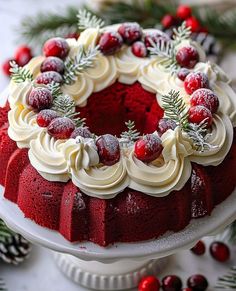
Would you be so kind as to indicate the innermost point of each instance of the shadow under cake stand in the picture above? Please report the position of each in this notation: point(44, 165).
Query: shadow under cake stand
point(119, 266)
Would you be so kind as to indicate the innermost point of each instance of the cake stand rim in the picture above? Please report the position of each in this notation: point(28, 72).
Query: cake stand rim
point(168, 244)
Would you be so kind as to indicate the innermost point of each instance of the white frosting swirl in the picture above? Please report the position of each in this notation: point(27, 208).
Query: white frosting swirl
point(19, 93)
point(47, 157)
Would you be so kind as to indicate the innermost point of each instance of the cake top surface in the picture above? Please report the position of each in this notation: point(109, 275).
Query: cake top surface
point(199, 110)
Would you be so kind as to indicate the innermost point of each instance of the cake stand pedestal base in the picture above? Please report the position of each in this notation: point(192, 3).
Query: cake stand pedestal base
point(119, 275)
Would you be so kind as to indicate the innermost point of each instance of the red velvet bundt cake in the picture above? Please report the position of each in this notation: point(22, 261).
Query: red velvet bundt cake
point(118, 136)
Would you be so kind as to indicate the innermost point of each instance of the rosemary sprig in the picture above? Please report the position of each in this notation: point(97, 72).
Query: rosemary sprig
point(19, 74)
point(74, 66)
point(181, 33)
point(132, 134)
point(55, 89)
point(227, 281)
point(88, 20)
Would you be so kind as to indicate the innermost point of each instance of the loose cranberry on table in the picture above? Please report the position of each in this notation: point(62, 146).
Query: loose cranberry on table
point(56, 47)
point(183, 12)
point(165, 124)
point(148, 148)
point(197, 114)
point(199, 249)
point(193, 23)
point(61, 128)
point(220, 251)
point(205, 97)
point(40, 98)
point(45, 117)
point(53, 64)
point(171, 283)
point(108, 149)
point(6, 67)
point(183, 73)
point(23, 55)
point(130, 32)
point(81, 131)
point(197, 283)
point(110, 42)
point(149, 283)
point(194, 81)
point(187, 57)
point(139, 49)
point(49, 77)
point(168, 21)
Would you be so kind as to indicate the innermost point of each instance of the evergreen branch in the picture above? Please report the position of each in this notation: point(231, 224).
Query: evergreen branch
point(181, 33)
point(19, 74)
point(88, 20)
point(232, 232)
point(74, 66)
point(227, 281)
point(132, 134)
point(55, 89)
point(5, 232)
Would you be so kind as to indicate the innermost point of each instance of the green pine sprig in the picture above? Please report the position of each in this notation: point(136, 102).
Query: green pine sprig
point(55, 89)
point(88, 20)
point(5, 232)
point(227, 281)
point(19, 74)
point(132, 134)
point(74, 66)
point(181, 33)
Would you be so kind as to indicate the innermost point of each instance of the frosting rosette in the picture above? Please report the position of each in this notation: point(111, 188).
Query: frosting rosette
point(47, 157)
point(19, 93)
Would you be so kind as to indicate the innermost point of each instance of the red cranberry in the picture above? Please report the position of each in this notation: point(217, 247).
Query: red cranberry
point(74, 35)
point(108, 149)
point(23, 55)
point(148, 148)
point(171, 283)
point(220, 251)
point(195, 81)
point(197, 283)
point(45, 117)
point(40, 98)
point(205, 97)
point(168, 20)
point(187, 57)
point(197, 114)
point(165, 124)
point(155, 37)
point(183, 12)
point(61, 128)
point(130, 32)
point(139, 49)
point(6, 67)
point(193, 23)
point(81, 131)
point(110, 42)
point(49, 77)
point(149, 283)
point(183, 73)
point(52, 64)
point(199, 249)
point(56, 47)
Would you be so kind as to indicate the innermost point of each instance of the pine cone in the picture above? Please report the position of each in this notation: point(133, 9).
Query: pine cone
point(15, 249)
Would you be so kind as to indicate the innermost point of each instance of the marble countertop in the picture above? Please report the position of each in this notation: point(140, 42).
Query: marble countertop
point(31, 275)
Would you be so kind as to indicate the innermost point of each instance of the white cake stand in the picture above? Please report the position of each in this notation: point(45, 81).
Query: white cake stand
point(120, 266)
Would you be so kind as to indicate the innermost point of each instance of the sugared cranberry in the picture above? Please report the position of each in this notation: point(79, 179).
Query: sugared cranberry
point(139, 49)
point(199, 249)
point(171, 283)
point(56, 47)
point(194, 81)
point(155, 37)
point(110, 42)
point(187, 57)
point(149, 283)
point(49, 77)
point(108, 149)
point(220, 251)
point(45, 117)
point(6, 68)
point(168, 20)
point(61, 128)
point(40, 98)
point(23, 55)
point(183, 12)
point(197, 283)
point(183, 73)
point(193, 23)
point(53, 64)
point(130, 32)
point(74, 35)
point(197, 114)
point(205, 97)
point(165, 124)
point(148, 148)
point(81, 131)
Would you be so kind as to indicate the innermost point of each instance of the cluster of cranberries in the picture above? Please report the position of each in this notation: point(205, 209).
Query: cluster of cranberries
point(173, 283)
